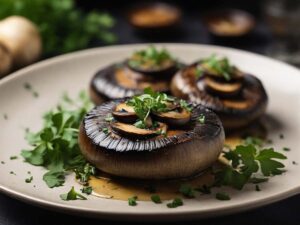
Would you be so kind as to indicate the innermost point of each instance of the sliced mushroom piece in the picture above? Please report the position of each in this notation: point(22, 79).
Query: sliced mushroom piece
point(174, 118)
point(235, 111)
point(175, 155)
point(222, 89)
point(118, 81)
point(131, 131)
point(124, 113)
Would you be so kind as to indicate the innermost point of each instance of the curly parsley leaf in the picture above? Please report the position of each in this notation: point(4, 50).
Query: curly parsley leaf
point(55, 146)
point(246, 161)
point(72, 195)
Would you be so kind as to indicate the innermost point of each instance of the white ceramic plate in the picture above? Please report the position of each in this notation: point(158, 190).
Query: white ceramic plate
point(73, 72)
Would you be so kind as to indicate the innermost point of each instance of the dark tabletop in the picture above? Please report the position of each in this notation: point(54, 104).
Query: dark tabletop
point(13, 212)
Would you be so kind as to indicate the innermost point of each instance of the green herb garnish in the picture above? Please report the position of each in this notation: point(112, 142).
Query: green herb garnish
point(105, 130)
point(286, 149)
point(204, 189)
point(185, 105)
point(62, 25)
point(132, 201)
point(87, 190)
point(147, 102)
point(201, 118)
point(72, 195)
point(257, 188)
point(247, 160)
point(156, 199)
point(109, 118)
point(253, 141)
point(199, 72)
point(55, 146)
point(151, 57)
point(175, 203)
point(13, 157)
point(221, 67)
point(28, 180)
point(222, 196)
point(187, 191)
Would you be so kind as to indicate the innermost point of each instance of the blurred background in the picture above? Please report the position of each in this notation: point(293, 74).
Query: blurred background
point(49, 28)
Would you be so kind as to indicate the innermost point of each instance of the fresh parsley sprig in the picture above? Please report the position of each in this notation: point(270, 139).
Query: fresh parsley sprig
point(246, 161)
point(55, 146)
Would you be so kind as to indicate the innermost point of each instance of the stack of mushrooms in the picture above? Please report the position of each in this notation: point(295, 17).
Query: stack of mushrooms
point(237, 98)
point(152, 135)
point(149, 67)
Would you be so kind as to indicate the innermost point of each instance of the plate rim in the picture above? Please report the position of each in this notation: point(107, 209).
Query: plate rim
point(166, 216)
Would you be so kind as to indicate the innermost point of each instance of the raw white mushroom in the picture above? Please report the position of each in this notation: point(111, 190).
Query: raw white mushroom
point(21, 37)
point(5, 60)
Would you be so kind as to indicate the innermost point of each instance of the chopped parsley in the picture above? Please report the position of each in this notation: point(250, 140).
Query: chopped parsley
point(105, 130)
point(221, 67)
point(201, 118)
point(28, 180)
point(185, 105)
point(72, 195)
point(13, 157)
point(109, 118)
point(148, 102)
point(150, 57)
point(222, 196)
point(286, 149)
point(187, 191)
point(245, 161)
point(204, 189)
point(87, 190)
point(29, 88)
point(257, 188)
point(175, 203)
point(132, 201)
point(55, 146)
point(156, 199)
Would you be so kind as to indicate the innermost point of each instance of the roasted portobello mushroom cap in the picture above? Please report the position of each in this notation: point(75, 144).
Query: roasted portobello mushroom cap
point(236, 97)
point(145, 68)
point(170, 143)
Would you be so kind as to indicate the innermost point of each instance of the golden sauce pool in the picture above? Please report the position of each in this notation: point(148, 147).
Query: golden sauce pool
point(106, 186)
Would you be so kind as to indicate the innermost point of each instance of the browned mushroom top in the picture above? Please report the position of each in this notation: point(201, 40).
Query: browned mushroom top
point(145, 68)
point(168, 121)
point(221, 89)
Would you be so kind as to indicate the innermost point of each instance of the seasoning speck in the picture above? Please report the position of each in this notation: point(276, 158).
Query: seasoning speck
point(257, 188)
point(28, 180)
point(2, 162)
point(13, 157)
point(5, 116)
point(286, 149)
point(295, 163)
point(281, 136)
point(12, 172)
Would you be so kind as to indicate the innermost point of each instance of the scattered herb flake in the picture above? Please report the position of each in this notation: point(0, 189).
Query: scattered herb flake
point(295, 163)
point(281, 136)
point(28, 180)
point(12, 172)
point(132, 201)
point(2, 162)
point(87, 190)
point(204, 189)
point(156, 199)
point(201, 118)
point(257, 188)
point(72, 195)
point(286, 149)
point(13, 157)
point(222, 196)
point(258, 180)
point(35, 94)
point(187, 191)
point(175, 203)
point(105, 130)
point(109, 118)
point(27, 86)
